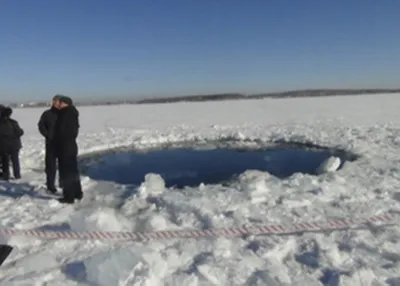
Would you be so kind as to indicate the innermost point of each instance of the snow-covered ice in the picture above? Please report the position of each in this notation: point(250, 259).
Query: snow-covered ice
point(368, 125)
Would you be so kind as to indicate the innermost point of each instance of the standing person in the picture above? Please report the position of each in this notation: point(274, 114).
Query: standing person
point(15, 141)
point(1, 172)
point(8, 135)
point(46, 127)
point(66, 133)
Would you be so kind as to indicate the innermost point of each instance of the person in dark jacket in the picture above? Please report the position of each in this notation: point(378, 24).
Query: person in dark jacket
point(65, 135)
point(2, 107)
point(9, 133)
point(15, 143)
point(46, 127)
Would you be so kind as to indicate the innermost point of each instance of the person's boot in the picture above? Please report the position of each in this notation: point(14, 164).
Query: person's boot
point(68, 195)
point(51, 190)
point(17, 175)
point(6, 177)
point(79, 196)
point(66, 200)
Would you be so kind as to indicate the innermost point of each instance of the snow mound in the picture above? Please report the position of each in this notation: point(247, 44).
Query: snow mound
point(125, 267)
point(157, 222)
point(106, 219)
point(331, 164)
point(359, 277)
point(153, 185)
point(256, 185)
point(31, 267)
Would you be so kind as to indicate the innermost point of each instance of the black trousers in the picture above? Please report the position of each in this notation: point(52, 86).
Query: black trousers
point(5, 162)
point(72, 188)
point(14, 156)
point(51, 159)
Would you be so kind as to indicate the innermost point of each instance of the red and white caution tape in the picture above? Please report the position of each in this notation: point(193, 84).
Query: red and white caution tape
point(191, 233)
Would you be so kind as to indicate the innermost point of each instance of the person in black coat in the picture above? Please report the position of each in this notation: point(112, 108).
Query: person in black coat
point(10, 132)
point(46, 127)
point(15, 142)
point(2, 107)
point(65, 135)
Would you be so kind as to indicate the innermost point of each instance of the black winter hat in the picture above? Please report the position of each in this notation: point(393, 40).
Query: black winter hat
point(7, 112)
point(66, 100)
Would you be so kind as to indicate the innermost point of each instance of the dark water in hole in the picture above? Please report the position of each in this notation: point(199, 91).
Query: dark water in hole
point(189, 167)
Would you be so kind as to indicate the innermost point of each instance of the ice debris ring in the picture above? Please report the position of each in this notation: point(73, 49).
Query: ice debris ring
point(193, 233)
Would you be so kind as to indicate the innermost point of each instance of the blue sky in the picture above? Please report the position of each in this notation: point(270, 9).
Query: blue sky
point(97, 48)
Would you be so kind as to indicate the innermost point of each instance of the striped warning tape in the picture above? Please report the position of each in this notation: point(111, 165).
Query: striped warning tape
point(193, 233)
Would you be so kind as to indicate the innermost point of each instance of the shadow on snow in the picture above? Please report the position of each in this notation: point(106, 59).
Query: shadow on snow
point(18, 190)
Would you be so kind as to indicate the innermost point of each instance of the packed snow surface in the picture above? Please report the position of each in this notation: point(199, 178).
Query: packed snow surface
point(368, 125)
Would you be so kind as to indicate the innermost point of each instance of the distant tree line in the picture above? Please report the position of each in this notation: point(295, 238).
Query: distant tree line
point(285, 94)
point(226, 96)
